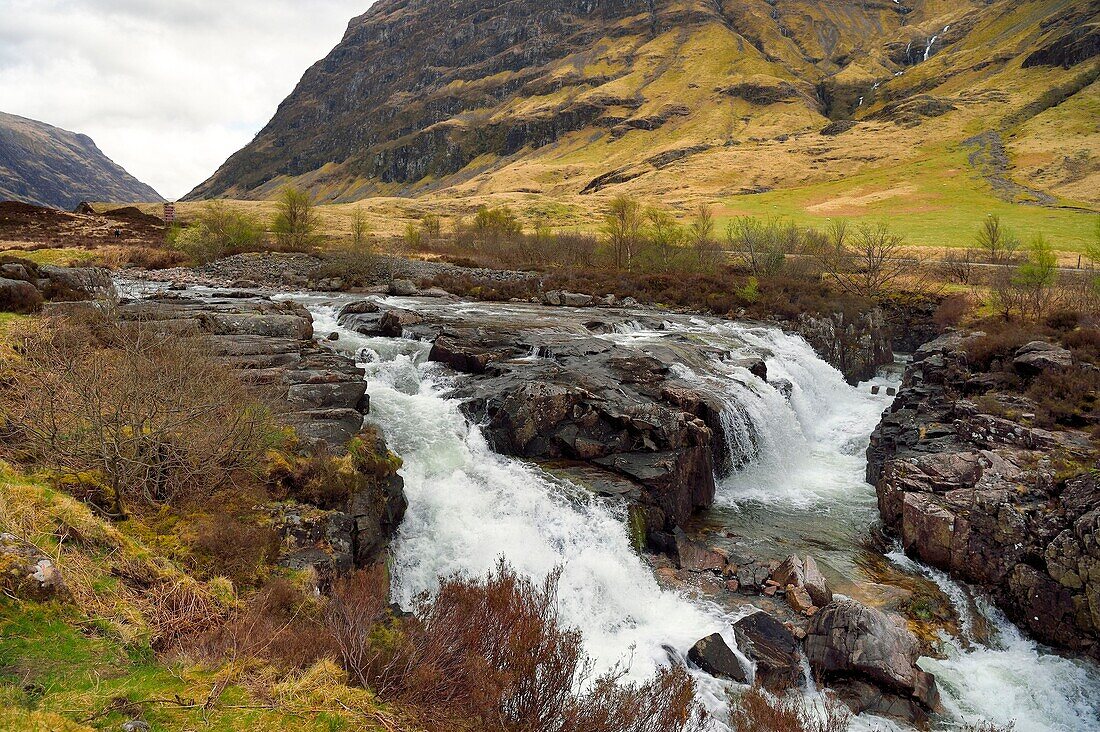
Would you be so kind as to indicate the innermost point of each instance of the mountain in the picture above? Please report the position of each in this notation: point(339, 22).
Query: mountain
point(48, 166)
point(666, 97)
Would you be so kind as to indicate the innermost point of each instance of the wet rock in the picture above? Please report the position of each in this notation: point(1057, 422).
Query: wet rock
point(755, 366)
point(695, 556)
point(816, 584)
point(27, 573)
point(773, 648)
point(799, 600)
point(789, 572)
point(977, 496)
point(359, 307)
point(1039, 356)
point(848, 641)
point(855, 345)
point(715, 657)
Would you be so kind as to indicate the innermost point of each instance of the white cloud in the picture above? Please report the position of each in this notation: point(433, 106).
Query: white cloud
point(167, 88)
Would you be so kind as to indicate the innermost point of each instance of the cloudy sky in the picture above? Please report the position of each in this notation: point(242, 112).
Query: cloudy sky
point(167, 88)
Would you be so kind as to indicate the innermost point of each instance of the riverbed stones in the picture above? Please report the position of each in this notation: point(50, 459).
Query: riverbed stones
point(850, 642)
point(715, 657)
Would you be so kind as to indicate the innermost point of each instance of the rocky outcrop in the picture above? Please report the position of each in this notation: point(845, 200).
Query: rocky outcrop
point(324, 399)
point(993, 501)
point(855, 345)
point(28, 574)
point(25, 285)
point(870, 661)
point(773, 648)
point(555, 391)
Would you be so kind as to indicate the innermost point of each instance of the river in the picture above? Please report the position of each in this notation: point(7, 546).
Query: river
point(802, 491)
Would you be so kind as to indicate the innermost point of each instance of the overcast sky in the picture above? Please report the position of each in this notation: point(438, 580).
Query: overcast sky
point(167, 88)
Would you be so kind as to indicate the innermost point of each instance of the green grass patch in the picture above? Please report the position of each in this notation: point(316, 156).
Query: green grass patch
point(935, 201)
point(57, 674)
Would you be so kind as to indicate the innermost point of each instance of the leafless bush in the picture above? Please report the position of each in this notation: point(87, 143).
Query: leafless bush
point(959, 266)
point(143, 412)
point(280, 624)
point(493, 651)
point(758, 711)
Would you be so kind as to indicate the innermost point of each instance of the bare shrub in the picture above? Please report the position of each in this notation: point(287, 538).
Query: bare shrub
point(281, 625)
point(762, 246)
point(959, 266)
point(951, 310)
point(865, 261)
point(756, 710)
point(493, 651)
point(145, 412)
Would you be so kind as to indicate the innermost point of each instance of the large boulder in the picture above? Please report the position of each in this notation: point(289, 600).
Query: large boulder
point(1039, 356)
point(77, 283)
point(773, 648)
point(17, 296)
point(27, 573)
point(848, 641)
point(714, 656)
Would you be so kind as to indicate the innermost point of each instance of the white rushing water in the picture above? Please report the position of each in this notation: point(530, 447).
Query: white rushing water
point(470, 506)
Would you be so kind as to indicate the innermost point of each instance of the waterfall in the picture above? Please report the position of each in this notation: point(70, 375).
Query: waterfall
point(800, 440)
point(932, 42)
point(1007, 678)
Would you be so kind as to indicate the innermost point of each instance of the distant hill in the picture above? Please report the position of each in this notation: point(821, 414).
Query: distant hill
point(675, 97)
point(48, 166)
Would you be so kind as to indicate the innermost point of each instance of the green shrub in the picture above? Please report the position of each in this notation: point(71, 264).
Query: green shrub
point(216, 232)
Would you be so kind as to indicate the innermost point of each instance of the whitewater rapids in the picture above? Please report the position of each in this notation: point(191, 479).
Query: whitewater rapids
point(469, 506)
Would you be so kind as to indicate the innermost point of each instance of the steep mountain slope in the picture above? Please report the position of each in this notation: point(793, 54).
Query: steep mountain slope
point(48, 166)
point(560, 97)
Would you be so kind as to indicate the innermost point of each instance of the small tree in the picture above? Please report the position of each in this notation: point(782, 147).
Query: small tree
point(623, 226)
point(296, 224)
point(216, 232)
point(360, 230)
point(663, 238)
point(865, 262)
point(703, 242)
point(998, 243)
point(1037, 276)
point(432, 226)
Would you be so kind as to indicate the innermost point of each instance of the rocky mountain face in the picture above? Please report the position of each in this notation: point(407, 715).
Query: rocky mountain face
point(572, 96)
point(996, 500)
point(48, 166)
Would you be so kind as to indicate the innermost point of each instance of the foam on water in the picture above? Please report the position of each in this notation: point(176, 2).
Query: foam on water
point(470, 506)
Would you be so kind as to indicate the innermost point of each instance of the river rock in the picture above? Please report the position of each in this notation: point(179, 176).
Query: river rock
point(852, 642)
point(1039, 356)
point(78, 283)
point(816, 584)
point(27, 573)
point(774, 649)
point(695, 556)
point(715, 657)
